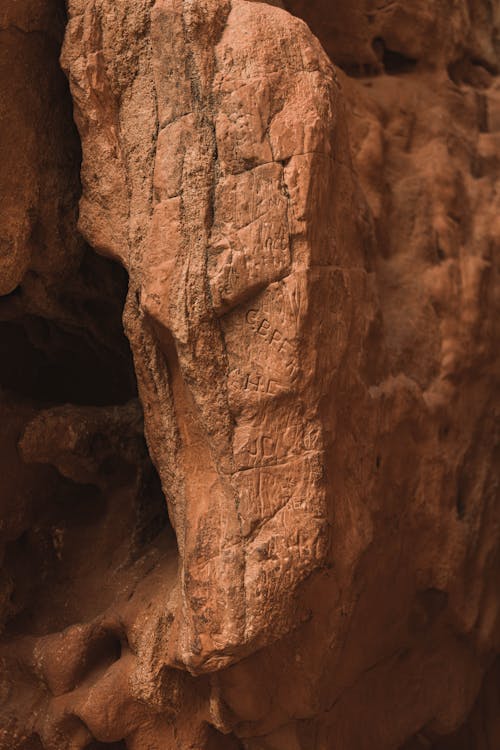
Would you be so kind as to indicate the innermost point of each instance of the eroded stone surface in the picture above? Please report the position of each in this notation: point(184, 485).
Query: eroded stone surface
point(223, 312)
point(312, 312)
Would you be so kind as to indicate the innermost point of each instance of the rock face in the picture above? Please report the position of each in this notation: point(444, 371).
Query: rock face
point(283, 532)
point(227, 271)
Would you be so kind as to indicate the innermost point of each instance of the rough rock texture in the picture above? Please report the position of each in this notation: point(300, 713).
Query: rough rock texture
point(312, 310)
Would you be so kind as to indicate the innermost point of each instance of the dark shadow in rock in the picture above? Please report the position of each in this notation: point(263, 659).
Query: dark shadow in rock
point(43, 362)
point(393, 62)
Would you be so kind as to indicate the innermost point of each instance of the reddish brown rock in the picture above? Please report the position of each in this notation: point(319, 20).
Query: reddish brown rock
point(312, 309)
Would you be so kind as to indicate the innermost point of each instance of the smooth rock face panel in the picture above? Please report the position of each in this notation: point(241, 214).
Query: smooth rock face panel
point(287, 537)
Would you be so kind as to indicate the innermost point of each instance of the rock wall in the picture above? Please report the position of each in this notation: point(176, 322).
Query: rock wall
point(267, 517)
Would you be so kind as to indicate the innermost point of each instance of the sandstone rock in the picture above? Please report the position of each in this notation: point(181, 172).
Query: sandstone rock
point(226, 267)
point(311, 245)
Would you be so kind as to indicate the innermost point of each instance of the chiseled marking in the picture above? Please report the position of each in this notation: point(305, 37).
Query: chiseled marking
point(262, 384)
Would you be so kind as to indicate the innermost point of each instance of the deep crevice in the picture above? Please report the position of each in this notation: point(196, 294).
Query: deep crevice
point(32, 743)
point(53, 363)
point(70, 549)
point(472, 71)
point(392, 61)
point(101, 652)
point(217, 741)
point(152, 516)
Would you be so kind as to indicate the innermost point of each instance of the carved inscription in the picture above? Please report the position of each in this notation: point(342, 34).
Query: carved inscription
point(249, 245)
point(274, 436)
point(274, 337)
point(266, 490)
point(262, 384)
point(263, 353)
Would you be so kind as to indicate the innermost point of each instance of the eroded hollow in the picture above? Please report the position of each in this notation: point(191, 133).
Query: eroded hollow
point(96, 506)
point(32, 743)
point(393, 62)
point(84, 525)
point(45, 363)
point(83, 357)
